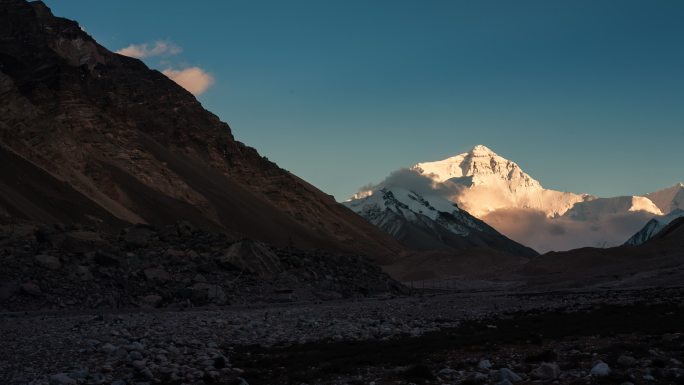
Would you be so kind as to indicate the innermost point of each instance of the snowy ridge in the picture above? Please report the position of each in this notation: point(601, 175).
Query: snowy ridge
point(413, 207)
point(653, 227)
point(429, 222)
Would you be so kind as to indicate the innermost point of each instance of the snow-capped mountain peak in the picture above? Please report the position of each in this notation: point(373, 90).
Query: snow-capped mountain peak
point(478, 166)
point(490, 182)
point(482, 150)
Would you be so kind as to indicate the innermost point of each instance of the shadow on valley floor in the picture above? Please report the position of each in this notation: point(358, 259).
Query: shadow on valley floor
point(420, 358)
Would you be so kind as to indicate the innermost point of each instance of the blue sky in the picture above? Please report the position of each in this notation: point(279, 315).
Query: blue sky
point(587, 96)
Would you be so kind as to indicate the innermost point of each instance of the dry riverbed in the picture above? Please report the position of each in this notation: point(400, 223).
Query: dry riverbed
point(570, 338)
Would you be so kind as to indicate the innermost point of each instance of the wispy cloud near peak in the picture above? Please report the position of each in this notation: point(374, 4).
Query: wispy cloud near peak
point(159, 48)
point(193, 79)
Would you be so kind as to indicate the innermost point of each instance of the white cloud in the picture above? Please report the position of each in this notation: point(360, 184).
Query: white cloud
point(193, 79)
point(160, 48)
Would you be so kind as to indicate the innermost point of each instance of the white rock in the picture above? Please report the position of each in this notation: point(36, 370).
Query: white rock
point(484, 364)
point(601, 369)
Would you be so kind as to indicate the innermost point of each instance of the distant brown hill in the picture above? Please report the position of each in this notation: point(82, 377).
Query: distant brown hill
point(87, 135)
point(659, 261)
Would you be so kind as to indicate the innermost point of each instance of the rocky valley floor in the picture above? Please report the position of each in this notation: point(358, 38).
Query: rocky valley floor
point(611, 337)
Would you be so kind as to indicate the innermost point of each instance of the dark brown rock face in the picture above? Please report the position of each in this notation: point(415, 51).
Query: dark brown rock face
point(97, 137)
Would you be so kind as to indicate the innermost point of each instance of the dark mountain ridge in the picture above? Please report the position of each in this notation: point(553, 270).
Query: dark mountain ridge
point(103, 139)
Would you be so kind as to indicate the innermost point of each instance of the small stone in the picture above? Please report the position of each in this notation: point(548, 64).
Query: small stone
point(8, 290)
point(62, 379)
point(83, 272)
point(139, 236)
point(108, 348)
point(48, 261)
point(118, 382)
point(601, 369)
point(157, 275)
point(135, 356)
point(31, 289)
point(648, 377)
point(546, 371)
point(477, 378)
point(199, 278)
point(447, 372)
point(506, 374)
point(504, 382)
point(626, 361)
point(484, 364)
point(135, 345)
point(151, 300)
point(147, 373)
point(220, 362)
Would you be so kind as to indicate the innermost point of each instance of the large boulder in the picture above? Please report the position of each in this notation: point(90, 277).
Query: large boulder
point(252, 256)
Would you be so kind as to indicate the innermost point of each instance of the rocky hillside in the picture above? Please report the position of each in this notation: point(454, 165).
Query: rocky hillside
point(97, 137)
point(56, 267)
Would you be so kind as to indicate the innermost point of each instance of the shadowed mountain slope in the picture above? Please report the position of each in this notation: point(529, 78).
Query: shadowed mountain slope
point(101, 134)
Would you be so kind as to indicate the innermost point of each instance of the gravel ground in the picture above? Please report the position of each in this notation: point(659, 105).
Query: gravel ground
point(197, 346)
